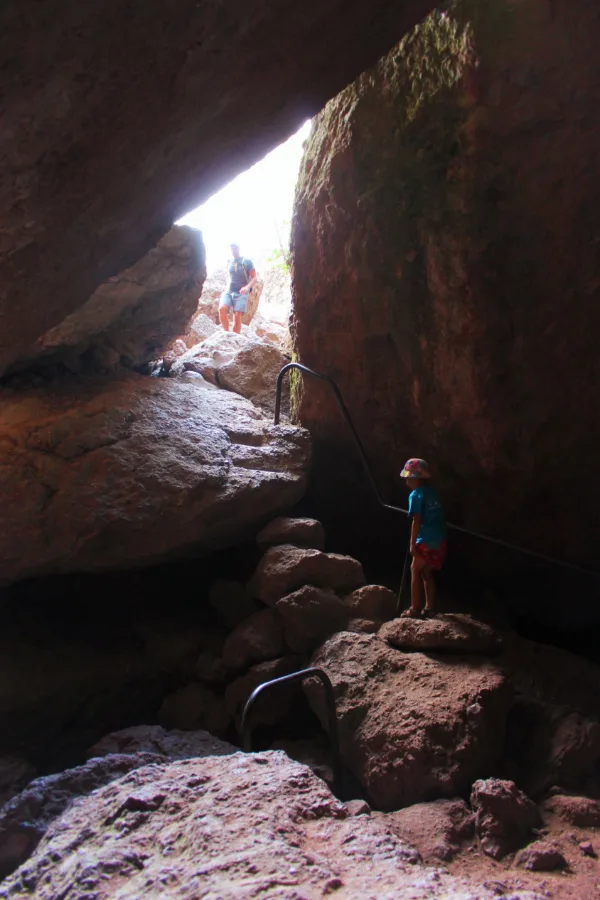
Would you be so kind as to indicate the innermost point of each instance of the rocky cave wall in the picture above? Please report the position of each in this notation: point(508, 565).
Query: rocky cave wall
point(446, 271)
point(119, 117)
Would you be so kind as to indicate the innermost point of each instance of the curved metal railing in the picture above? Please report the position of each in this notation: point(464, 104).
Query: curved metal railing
point(332, 727)
point(541, 557)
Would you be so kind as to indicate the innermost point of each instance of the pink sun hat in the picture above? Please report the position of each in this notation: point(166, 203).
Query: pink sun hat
point(415, 468)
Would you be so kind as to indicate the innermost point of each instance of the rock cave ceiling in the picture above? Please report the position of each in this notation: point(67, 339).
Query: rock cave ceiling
point(120, 115)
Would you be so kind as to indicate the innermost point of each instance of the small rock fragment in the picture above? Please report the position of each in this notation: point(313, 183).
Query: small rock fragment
point(358, 808)
point(541, 857)
point(505, 816)
point(587, 848)
point(437, 829)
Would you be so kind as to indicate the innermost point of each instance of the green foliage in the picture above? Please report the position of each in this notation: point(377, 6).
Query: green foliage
point(279, 259)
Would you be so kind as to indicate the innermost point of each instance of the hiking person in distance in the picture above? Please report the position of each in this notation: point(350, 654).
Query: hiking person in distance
point(242, 278)
point(427, 537)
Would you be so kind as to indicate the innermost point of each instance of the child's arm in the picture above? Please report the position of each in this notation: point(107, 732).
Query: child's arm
point(414, 533)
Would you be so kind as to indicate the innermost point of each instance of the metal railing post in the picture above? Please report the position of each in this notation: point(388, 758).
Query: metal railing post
point(332, 727)
point(347, 419)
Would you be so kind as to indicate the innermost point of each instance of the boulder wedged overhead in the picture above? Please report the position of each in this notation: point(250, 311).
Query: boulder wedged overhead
point(120, 117)
point(446, 276)
point(99, 475)
point(131, 318)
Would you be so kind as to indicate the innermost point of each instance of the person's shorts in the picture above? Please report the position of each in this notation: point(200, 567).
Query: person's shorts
point(433, 556)
point(236, 302)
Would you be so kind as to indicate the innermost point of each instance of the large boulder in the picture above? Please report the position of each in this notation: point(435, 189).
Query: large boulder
point(230, 827)
point(413, 727)
point(274, 332)
point(238, 362)
point(111, 133)
point(132, 317)
point(107, 474)
point(284, 569)
point(444, 274)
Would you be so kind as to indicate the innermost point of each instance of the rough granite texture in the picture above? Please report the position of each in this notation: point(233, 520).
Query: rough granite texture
point(412, 726)
point(238, 828)
point(110, 474)
point(446, 273)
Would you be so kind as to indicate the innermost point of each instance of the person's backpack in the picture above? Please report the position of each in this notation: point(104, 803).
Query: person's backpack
point(245, 263)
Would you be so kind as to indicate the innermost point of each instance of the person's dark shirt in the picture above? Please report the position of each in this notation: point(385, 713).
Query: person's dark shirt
point(239, 273)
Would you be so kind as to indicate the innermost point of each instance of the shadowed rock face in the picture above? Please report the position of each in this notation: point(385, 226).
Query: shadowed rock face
point(260, 825)
point(118, 117)
point(447, 714)
point(446, 273)
point(133, 316)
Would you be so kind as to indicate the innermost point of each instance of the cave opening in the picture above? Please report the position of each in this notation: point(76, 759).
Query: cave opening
point(434, 284)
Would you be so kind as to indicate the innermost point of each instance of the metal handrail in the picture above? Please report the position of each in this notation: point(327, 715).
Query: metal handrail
point(541, 557)
point(331, 716)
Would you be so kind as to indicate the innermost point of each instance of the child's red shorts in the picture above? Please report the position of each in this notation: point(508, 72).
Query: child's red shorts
point(433, 556)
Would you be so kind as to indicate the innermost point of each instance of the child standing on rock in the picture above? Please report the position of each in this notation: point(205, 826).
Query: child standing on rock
point(427, 537)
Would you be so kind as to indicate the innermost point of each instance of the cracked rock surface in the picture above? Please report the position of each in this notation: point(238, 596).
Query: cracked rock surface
point(241, 826)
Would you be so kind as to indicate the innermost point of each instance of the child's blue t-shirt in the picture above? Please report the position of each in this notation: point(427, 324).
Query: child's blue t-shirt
point(425, 501)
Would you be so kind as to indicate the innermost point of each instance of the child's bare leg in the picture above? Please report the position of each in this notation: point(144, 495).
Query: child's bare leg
point(429, 582)
point(416, 585)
